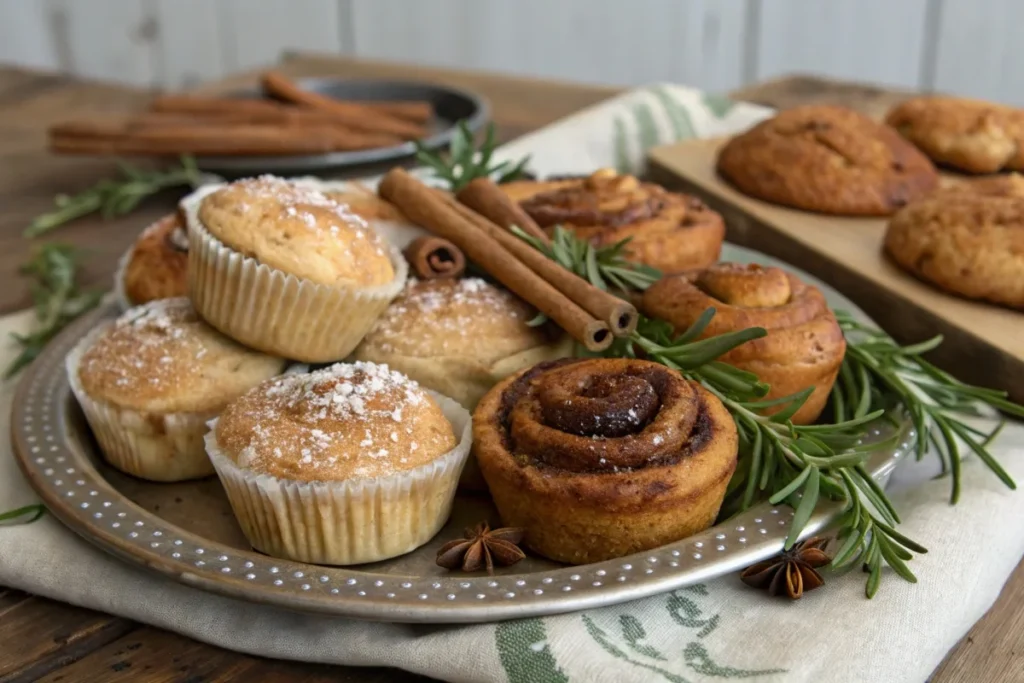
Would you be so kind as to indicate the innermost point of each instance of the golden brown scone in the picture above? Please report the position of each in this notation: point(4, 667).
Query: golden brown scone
point(365, 203)
point(669, 231)
point(971, 135)
point(157, 266)
point(297, 230)
point(804, 347)
point(827, 159)
point(967, 239)
point(601, 458)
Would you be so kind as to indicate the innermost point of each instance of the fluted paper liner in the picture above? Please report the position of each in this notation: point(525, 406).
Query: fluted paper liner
point(346, 522)
point(148, 445)
point(274, 311)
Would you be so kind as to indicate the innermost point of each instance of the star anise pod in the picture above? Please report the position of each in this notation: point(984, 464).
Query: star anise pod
point(792, 572)
point(482, 547)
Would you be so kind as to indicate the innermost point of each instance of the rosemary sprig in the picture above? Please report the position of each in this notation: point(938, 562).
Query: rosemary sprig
point(115, 197)
point(877, 369)
point(23, 515)
point(56, 298)
point(466, 162)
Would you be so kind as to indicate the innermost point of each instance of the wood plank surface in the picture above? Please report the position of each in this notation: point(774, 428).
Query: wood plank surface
point(983, 344)
point(85, 645)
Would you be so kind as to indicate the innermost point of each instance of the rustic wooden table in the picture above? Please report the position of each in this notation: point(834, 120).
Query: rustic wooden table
point(48, 641)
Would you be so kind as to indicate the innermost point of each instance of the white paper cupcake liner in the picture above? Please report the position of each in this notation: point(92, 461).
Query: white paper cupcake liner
point(153, 446)
point(346, 522)
point(274, 311)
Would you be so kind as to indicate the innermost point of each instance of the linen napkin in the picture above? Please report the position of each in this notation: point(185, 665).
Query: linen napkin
point(709, 632)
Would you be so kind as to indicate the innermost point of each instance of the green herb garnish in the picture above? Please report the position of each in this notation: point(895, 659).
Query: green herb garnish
point(466, 162)
point(22, 515)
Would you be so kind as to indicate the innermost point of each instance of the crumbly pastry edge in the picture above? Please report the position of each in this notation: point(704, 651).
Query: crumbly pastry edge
point(120, 294)
point(274, 311)
point(163, 447)
point(346, 522)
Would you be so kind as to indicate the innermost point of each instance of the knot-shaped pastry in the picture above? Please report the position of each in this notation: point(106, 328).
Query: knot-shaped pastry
point(600, 458)
point(669, 231)
point(804, 346)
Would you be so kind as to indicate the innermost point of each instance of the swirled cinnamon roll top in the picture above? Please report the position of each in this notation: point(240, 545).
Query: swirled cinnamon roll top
point(603, 415)
point(804, 346)
point(669, 231)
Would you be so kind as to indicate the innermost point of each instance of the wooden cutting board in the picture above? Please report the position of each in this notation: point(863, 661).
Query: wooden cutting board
point(984, 344)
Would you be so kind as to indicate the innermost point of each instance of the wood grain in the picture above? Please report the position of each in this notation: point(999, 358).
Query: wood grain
point(982, 345)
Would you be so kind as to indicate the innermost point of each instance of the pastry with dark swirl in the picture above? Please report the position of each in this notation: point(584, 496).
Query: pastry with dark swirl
point(600, 458)
point(155, 265)
point(668, 230)
point(804, 347)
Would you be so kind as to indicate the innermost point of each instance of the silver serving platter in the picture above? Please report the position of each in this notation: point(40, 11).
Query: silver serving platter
point(186, 530)
point(451, 105)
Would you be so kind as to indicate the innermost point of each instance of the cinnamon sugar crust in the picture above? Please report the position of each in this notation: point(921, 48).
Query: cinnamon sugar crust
point(971, 135)
point(804, 346)
point(157, 266)
point(604, 457)
point(668, 230)
point(161, 357)
point(827, 159)
point(297, 230)
point(347, 421)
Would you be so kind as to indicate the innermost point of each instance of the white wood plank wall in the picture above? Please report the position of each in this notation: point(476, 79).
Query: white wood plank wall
point(964, 46)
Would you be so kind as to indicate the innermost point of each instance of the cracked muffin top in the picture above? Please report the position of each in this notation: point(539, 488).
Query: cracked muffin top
point(827, 159)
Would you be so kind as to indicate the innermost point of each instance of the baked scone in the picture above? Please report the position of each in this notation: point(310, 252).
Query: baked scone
point(155, 266)
point(365, 203)
point(348, 464)
point(668, 231)
point(827, 159)
point(459, 337)
point(967, 239)
point(971, 135)
point(601, 458)
point(282, 268)
point(149, 382)
point(804, 346)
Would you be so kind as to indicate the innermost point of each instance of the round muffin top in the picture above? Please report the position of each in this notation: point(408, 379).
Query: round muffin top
point(467, 317)
point(297, 230)
point(827, 159)
point(157, 266)
point(161, 357)
point(347, 421)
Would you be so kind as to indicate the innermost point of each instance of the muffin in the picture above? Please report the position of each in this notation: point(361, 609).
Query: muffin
point(282, 268)
point(155, 267)
point(967, 240)
point(149, 382)
point(804, 347)
point(602, 458)
point(970, 135)
point(829, 160)
point(348, 464)
point(667, 230)
point(459, 337)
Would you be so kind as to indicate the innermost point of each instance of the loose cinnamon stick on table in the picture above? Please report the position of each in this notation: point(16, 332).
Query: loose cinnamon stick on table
point(426, 207)
point(620, 315)
point(279, 85)
point(485, 197)
point(433, 257)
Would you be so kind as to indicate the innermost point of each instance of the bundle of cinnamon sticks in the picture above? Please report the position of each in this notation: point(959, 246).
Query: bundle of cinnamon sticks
point(290, 121)
point(478, 220)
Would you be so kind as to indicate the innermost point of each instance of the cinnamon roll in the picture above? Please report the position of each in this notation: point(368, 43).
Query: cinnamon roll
point(804, 347)
point(669, 231)
point(600, 458)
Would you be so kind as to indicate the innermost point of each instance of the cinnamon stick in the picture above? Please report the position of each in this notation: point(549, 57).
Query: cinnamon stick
point(424, 206)
point(485, 197)
point(86, 137)
point(620, 315)
point(432, 257)
point(269, 111)
point(279, 85)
